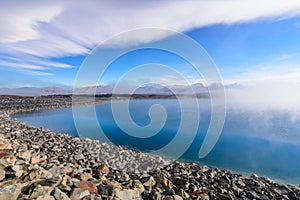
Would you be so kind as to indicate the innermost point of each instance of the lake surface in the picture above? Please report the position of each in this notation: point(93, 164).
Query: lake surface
point(251, 141)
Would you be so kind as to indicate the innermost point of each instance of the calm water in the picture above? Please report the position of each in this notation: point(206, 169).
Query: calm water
point(247, 144)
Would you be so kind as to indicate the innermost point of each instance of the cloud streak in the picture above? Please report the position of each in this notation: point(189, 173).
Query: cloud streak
point(56, 29)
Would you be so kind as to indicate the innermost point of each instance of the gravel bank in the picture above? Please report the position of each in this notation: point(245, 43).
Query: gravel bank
point(38, 164)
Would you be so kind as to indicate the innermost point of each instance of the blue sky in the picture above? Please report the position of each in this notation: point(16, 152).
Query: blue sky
point(44, 44)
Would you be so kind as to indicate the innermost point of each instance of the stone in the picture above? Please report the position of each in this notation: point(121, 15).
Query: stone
point(87, 185)
point(64, 184)
point(148, 181)
point(204, 196)
point(45, 197)
point(7, 182)
point(180, 183)
point(264, 197)
point(183, 194)
point(35, 159)
point(18, 170)
point(4, 146)
point(176, 197)
point(103, 169)
point(78, 157)
point(253, 194)
point(168, 198)
point(41, 190)
point(113, 183)
point(24, 155)
point(107, 190)
point(56, 171)
point(156, 195)
point(8, 160)
point(10, 192)
point(138, 186)
point(78, 193)
point(163, 182)
point(2, 173)
point(85, 176)
point(40, 174)
point(127, 194)
point(59, 195)
point(254, 176)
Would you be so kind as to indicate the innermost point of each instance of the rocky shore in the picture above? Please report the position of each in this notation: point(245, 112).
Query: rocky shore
point(39, 164)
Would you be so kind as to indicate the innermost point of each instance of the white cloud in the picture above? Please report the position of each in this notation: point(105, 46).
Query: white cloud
point(57, 29)
point(39, 73)
point(21, 65)
point(288, 56)
point(20, 20)
point(269, 74)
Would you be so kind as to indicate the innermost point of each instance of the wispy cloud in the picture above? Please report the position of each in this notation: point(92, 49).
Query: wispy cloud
point(39, 73)
point(56, 29)
point(288, 56)
point(284, 73)
point(21, 65)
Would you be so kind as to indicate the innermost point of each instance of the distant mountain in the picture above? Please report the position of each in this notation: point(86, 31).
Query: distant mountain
point(32, 91)
point(106, 89)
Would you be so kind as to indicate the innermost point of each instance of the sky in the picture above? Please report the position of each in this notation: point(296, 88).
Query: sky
point(43, 43)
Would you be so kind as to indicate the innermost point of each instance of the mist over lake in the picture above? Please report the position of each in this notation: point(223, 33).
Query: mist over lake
point(265, 142)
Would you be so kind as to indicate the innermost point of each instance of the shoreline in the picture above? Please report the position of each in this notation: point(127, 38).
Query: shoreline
point(93, 166)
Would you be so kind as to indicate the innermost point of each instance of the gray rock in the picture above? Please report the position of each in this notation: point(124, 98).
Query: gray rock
point(78, 193)
point(127, 194)
point(59, 195)
point(24, 155)
point(106, 190)
point(2, 173)
point(10, 192)
point(18, 170)
point(45, 197)
point(41, 190)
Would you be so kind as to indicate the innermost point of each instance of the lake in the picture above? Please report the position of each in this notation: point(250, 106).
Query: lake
point(251, 141)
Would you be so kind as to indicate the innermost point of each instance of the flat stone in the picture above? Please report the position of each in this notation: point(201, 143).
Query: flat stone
point(176, 197)
point(87, 185)
point(104, 169)
point(138, 186)
point(113, 183)
point(41, 190)
point(35, 159)
point(204, 196)
point(4, 146)
point(59, 195)
point(2, 173)
point(107, 190)
point(79, 193)
point(64, 184)
point(148, 181)
point(18, 169)
point(8, 160)
point(156, 195)
point(40, 174)
point(24, 155)
point(168, 198)
point(85, 176)
point(127, 194)
point(163, 181)
point(7, 182)
point(45, 197)
point(9, 192)
point(56, 171)
point(183, 194)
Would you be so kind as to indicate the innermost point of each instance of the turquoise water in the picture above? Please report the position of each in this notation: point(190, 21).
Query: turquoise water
point(251, 141)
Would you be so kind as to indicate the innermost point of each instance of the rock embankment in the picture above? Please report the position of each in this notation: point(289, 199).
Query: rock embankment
point(38, 164)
